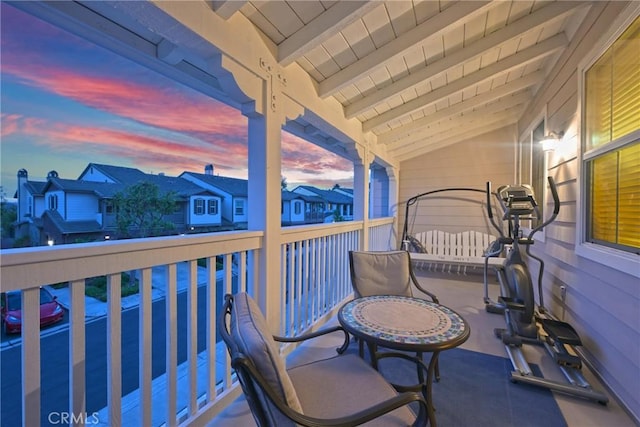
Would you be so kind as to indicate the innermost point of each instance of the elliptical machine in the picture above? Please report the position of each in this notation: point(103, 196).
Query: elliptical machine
point(526, 322)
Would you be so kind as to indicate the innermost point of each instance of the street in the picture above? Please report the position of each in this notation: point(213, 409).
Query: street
point(55, 360)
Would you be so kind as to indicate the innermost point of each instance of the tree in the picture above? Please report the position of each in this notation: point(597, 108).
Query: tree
point(8, 218)
point(283, 183)
point(141, 209)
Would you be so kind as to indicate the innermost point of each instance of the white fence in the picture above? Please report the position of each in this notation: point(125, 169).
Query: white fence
point(314, 283)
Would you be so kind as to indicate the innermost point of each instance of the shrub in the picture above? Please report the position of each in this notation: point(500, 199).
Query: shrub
point(96, 287)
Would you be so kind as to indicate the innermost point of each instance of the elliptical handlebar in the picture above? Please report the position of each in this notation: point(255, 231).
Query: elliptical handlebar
point(490, 211)
point(556, 207)
point(556, 210)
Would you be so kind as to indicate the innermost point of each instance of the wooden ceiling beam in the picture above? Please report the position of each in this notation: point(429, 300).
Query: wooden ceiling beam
point(537, 19)
point(468, 104)
point(510, 63)
point(506, 105)
point(322, 27)
point(432, 27)
point(456, 135)
point(226, 8)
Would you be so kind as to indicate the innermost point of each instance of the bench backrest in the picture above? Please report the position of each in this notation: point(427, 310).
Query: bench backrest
point(463, 244)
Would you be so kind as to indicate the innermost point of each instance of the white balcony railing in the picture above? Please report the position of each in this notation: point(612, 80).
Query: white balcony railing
point(194, 380)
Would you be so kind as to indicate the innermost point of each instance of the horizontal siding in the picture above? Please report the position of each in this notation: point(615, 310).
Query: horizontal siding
point(603, 304)
point(81, 207)
point(459, 165)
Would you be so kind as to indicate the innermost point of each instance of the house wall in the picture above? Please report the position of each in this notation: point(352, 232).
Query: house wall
point(81, 207)
point(602, 303)
point(95, 175)
point(285, 214)
point(245, 215)
point(61, 207)
point(206, 218)
point(459, 165)
point(297, 206)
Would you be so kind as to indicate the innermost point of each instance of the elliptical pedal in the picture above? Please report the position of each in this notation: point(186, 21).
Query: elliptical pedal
point(561, 331)
point(560, 337)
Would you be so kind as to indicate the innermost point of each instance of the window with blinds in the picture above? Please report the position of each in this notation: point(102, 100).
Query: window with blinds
point(612, 144)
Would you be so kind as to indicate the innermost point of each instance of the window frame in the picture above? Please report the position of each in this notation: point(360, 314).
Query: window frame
point(212, 206)
point(526, 140)
point(52, 202)
point(238, 207)
point(198, 206)
point(618, 259)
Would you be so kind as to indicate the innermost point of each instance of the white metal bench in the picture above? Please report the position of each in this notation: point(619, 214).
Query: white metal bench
point(453, 252)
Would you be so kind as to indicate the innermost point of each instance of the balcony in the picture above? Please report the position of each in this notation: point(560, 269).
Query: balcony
point(159, 358)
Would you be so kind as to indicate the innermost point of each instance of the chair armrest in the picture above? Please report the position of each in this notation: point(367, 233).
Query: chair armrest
point(316, 334)
point(414, 279)
point(352, 420)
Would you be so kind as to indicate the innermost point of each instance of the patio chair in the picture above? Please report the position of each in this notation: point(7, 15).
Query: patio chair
point(385, 273)
point(339, 391)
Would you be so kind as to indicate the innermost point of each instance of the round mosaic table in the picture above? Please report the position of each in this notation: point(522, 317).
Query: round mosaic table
point(407, 324)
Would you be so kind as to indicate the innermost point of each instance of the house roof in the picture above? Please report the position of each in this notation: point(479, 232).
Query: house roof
point(290, 195)
point(36, 187)
point(234, 186)
point(71, 227)
point(345, 190)
point(125, 176)
point(101, 189)
point(328, 195)
point(116, 173)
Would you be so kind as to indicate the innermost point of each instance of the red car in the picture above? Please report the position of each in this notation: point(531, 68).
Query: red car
point(11, 308)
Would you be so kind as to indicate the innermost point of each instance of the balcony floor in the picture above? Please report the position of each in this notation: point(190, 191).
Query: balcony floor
point(464, 295)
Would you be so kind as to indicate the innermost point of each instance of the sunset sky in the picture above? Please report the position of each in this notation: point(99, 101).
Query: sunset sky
point(66, 102)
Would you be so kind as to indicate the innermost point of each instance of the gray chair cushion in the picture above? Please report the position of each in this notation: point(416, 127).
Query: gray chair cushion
point(250, 332)
point(381, 273)
point(343, 385)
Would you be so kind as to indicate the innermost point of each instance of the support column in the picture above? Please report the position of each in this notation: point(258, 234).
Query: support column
point(265, 192)
point(394, 199)
point(264, 207)
point(361, 194)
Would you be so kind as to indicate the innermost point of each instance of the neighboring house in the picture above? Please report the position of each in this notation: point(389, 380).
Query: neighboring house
point(234, 193)
point(301, 209)
point(64, 211)
point(199, 208)
point(336, 201)
point(30, 207)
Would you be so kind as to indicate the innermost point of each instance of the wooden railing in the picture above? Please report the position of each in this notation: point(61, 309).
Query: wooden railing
point(196, 386)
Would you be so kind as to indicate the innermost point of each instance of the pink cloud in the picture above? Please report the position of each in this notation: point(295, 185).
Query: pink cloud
point(152, 152)
point(9, 124)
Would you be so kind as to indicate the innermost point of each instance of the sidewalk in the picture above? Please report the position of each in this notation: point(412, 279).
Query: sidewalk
point(96, 308)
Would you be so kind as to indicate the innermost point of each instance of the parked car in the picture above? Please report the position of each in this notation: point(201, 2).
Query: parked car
point(11, 309)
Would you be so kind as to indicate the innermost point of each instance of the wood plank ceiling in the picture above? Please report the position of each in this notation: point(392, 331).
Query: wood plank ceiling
point(420, 74)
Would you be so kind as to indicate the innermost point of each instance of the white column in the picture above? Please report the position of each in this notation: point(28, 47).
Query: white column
point(265, 193)
point(394, 195)
point(361, 194)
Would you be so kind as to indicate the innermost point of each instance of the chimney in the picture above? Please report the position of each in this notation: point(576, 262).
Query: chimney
point(208, 169)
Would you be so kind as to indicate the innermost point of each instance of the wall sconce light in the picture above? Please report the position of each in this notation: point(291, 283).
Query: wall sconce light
point(50, 241)
point(550, 140)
